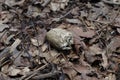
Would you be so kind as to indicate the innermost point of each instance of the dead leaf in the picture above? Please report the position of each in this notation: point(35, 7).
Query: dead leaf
point(118, 30)
point(33, 11)
point(110, 77)
point(74, 21)
point(13, 71)
point(81, 69)
point(40, 38)
point(5, 16)
point(7, 41)
point(105, 59)
point(79, 31)
point(14, 45)
point(57, 5)
point(3, 26)
point(4, 69)
point(35, 42)
point(114, 44)
point(14, 2)
point(44, 47)
point(4, 76)
point(24, 71)
point(70, 72)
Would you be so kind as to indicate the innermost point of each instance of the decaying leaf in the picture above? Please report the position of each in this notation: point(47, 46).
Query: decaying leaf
point(59, 4)
point(118, 30)
point(80, 32)
point(7, 41)
point(110, 77)
point(13, 2)
point(33, 11)
point(44, 47)
point(74, 21)
point(40, 38)
point(13, 71)
point(15, 44)
point(93, 54)
point(35, 42)
point(70, 72)
point(90, 41)
point(3, 26)
point(24, 71)
point(5, 16)
point(114, 44)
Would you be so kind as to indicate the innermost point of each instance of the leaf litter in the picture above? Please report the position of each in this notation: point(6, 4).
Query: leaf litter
point(26, 54)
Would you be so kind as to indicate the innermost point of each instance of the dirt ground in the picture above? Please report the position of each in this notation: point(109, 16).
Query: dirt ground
point(26, 53)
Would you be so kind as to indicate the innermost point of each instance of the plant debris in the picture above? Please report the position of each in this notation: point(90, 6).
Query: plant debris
point(59, 39)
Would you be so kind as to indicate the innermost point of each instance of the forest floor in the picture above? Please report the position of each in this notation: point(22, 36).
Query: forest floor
point(26, 54)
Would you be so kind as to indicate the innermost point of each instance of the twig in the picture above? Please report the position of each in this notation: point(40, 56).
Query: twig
point(46, 75)
point(111, 22)
point(28, 76)
point(46, 3)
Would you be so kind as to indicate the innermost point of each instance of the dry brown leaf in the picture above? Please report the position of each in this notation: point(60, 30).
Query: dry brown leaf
point(4, 69)
point(82, 69)
point(3, 26)
point(5, 16)
point(24, 71)
point(40, 38)
point(114, 44)
point(70, 72)
point(33, 11)
point(3, 36)
point(110, 77)
point(74, 21)
point(44, 47)
point(56, 5)
point(13, 2)
point(15, 44)
point(118, 30)
point(105, 59)
point(36, 42)
point(4, 76)
point(7, 41)
point(79, 31)
point(13, 71)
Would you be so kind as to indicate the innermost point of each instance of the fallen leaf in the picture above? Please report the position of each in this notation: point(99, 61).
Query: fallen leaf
point(82, 69)
point(5, 16)
point(44, 47)
point(40, 38)
point(7, 41)
point(105, 59)
point(13, 71)
point(114, 44)
point(55, 6)
point(74, 21)
point(24, 71)
point(79, 31)
point(59, 4)
point(4, 76)
point(110, 77)
point(36, 42)
point(4, 69)
point(14, 2)
point(15, 44)
point(3, 26)
point(70, 72)
point(118, 30)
